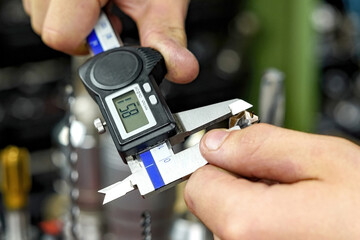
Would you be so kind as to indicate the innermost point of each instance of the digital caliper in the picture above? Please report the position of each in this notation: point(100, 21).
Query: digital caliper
point(124, 83)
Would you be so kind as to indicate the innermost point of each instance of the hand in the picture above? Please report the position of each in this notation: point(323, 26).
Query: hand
point(309, 185)
point(65, 24)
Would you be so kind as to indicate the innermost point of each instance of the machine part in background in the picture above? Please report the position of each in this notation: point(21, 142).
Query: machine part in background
point(80, 171)
point(83, 220)
point(272, 98)
point(286, 41)
point(89, 201)
point(146, 224)
point(15, 186)
point(72, 156)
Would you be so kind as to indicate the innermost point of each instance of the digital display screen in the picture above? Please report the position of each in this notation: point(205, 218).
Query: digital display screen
point(130, 111)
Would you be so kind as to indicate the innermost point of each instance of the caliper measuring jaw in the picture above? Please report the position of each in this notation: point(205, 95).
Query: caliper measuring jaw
point(159, 168)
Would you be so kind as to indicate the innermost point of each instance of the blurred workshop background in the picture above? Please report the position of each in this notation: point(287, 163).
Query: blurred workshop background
point(296, 61)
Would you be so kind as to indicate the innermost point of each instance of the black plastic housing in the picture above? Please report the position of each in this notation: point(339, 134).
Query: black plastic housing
point(110, 71)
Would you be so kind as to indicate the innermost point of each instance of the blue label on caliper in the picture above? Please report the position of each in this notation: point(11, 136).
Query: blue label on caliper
point(152, 169)
point(94, 43)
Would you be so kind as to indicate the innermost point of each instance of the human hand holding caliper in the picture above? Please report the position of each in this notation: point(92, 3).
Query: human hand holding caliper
point(277, 184)
point(64, 26)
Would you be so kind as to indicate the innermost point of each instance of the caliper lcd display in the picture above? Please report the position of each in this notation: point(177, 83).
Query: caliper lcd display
point(130, 111)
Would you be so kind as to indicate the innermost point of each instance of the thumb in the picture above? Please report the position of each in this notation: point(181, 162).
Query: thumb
point(267, 152)
point(161, 26)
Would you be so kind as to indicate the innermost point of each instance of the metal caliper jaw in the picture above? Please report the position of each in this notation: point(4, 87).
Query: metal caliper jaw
point(159, 168)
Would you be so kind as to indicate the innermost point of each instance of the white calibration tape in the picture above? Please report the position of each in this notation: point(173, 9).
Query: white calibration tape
point(103, 37)
point(163, 167)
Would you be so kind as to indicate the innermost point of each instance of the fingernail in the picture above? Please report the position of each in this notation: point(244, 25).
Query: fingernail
point(215, 138)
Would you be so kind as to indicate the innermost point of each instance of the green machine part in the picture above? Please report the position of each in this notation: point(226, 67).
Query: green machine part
point(286, 41)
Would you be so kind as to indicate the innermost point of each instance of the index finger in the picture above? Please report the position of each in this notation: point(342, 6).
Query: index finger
point(68, 23)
